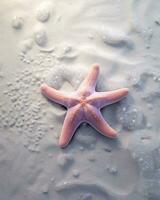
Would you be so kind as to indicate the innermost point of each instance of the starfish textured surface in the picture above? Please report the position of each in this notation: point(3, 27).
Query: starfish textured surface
point(84, 106)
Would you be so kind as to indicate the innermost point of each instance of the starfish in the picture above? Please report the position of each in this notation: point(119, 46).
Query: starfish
point(84, 106)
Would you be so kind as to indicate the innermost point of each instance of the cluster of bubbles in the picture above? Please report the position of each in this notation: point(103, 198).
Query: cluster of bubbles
point(112, 169)
point(43, 14)
point(25, 113)
point(149, 166)
point(149, 96)
point(131, 118)
point(87, 196)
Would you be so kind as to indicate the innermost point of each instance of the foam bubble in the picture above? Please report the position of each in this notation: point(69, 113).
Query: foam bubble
point(64, 160)
point(131, 118)
point(76, 173)
point(17, 22)
point(41, 37)
point(116, 38)
point(43, 13)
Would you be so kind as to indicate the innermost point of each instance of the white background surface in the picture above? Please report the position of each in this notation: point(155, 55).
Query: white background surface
point(56, 42)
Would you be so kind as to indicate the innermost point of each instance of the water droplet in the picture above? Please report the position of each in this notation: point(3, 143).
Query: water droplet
point(41, 38)
point(140, 159)
point(149, 125)
point(91, 158)
point(90, 36)
point(76, 173)
point(64, 160)
point(155, 78)
point(45, 189)
point(17, 22)
point(113, 170)
point(43, 13)
point(67, 49)
point(52, 179)
point(81, 148)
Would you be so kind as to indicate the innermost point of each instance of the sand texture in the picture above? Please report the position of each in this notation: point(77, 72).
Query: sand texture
point(56, 41)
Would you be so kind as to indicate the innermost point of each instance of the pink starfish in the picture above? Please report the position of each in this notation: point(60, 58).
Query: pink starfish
point(84, 106)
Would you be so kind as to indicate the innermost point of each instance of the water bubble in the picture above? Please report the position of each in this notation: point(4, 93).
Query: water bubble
point(17, 22)
point(87, 196)
point(90, 36)
point(52, 179)
point(113, 170)
point(76, 173)
point(26, 46)
point(91, 158)
point(81, 148)
point(67, 49)
point(64, 160)
point(41, 37)
point(45, 189)
point(43, 13)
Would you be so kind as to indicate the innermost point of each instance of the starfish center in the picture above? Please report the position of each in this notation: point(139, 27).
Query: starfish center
point(83, 101)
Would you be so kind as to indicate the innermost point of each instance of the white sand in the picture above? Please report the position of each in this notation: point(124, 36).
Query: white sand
point(56, 42)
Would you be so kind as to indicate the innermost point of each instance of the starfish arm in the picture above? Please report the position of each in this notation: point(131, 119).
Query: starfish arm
point(96, 120)
point(57, 96)
point(89, 83)
point(71, 123)
point(101, 99)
